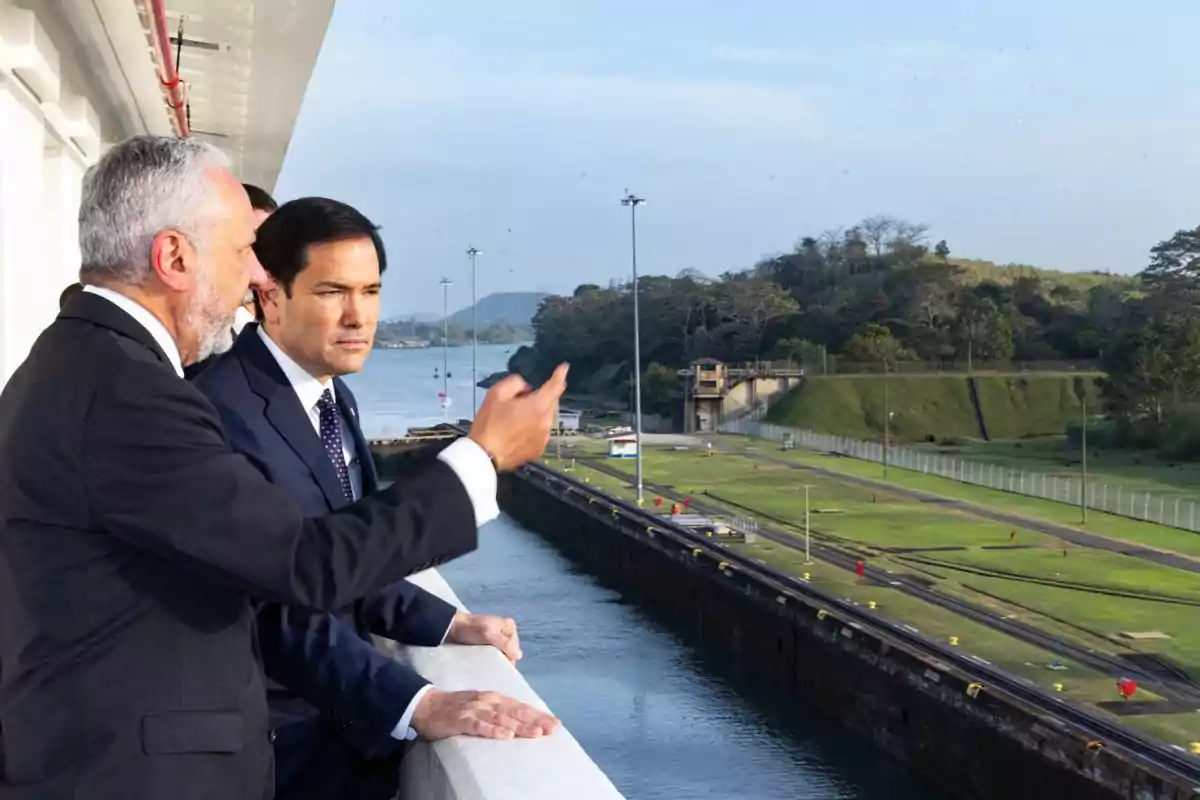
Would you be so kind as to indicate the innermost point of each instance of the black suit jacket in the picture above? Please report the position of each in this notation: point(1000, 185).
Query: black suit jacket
point(131, 540)
point(320, 662)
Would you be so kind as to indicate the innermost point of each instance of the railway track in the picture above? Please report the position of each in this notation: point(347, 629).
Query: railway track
point(1180, 691)
point(1167, 758)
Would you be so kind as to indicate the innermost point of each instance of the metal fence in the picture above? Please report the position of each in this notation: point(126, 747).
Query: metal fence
point(1174, 512)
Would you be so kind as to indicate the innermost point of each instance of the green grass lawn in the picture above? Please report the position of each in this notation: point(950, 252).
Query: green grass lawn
point(1109, 525)
point(1013, 406)
point(867, 521)
point(1052, 455)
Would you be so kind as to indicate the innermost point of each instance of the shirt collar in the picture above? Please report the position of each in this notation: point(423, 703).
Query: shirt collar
point(307, 388)
point(241, 318)
point(162, 337)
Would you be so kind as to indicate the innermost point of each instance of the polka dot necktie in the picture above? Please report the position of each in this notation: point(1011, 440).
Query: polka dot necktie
point(331, 439)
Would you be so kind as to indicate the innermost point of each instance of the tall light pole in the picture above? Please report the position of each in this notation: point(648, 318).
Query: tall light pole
point(446, 282)
point(633, 201)
point(471, 253)
point(1083, 453)
point(807, 559)
point(887, 419)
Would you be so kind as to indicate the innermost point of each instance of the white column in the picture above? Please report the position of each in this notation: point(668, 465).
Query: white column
point(22, 141)
point(63, 175)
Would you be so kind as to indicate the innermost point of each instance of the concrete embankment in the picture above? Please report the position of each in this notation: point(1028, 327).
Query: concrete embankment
point(972, 729)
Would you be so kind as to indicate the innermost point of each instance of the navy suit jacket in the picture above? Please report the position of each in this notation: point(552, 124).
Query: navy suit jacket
point(324, 670)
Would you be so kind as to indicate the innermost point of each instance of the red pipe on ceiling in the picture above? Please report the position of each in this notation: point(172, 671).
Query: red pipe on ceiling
point(172, 84)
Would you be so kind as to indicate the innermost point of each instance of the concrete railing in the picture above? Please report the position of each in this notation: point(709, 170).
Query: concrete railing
point(466, 768)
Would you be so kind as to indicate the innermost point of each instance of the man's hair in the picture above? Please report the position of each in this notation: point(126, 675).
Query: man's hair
point(259, 198)
point(284, 237)
point(67, 293)
point(142, 186)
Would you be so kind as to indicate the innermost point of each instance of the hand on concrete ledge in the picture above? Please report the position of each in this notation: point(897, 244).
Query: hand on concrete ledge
point(440, 715)
point(499, 632)
point(513, 422)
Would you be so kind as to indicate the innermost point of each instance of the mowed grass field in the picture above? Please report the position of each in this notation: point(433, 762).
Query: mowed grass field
point(1051, 455)
point(1109, 525)
point(886, 529)
point(1013, 406)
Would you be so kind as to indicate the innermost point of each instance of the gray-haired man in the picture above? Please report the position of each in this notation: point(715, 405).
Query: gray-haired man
point(132, 538)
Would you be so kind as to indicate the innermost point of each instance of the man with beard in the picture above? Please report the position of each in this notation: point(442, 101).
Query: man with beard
point(133, 539)
point(264, 206)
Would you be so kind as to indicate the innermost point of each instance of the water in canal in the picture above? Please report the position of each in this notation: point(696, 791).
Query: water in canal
point(665, 716)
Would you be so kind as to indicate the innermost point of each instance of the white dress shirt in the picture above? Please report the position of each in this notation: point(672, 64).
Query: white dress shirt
point(309, 390)
point(464, 462)
point(465, 458)
point(241, 318)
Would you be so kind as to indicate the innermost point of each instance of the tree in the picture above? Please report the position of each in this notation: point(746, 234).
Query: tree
point(877, 231)
point(1175, 263)
point(942, 250)
point(874, 344)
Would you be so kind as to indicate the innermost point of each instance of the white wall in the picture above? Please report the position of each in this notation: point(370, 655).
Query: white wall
point(49, 135)
point(465, 768)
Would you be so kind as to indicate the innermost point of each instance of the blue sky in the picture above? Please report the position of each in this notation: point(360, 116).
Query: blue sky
point(1066, 137)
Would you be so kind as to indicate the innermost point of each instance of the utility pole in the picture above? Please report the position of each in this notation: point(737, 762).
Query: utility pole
point(1083, 453)
point(807, 560)
point(446, 282)
point(887, 417)
point(632, 201)
point(471, 253)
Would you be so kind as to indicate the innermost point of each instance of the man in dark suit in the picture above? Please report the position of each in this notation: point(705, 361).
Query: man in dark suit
point(132, 538)
point(281, 399)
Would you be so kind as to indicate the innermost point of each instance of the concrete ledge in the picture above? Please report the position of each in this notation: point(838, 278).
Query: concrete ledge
point(465, 768)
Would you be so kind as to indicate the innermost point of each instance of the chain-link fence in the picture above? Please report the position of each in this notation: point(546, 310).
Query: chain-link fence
point(1175, 512)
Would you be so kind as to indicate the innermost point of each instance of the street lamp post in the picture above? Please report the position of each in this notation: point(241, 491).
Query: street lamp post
point(1083, 454)
point(632, 201)
point(807, 559)
point(887, 418)
point(446, 282)
point(471, 253)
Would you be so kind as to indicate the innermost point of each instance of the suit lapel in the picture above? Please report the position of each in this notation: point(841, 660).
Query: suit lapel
point(286, 415)
point(366, 461)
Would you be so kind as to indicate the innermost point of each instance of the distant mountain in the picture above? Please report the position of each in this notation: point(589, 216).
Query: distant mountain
point(501, 308)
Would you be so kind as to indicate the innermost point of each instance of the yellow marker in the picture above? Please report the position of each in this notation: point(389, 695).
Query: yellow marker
point(641, 502)
point(1095, 745)
point(954, 641)
point(1058, 687)
point(696, 552)
point(807, 575)
point(1194, 747)
point(974, 689)
point(649, 529)
point(821, 613)
point(871, 604)
point(723, 565)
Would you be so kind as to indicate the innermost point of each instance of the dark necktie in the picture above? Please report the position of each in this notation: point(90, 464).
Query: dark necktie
point(331, 439)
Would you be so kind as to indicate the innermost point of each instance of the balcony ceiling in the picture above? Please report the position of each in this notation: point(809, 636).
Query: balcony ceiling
point(246, 64)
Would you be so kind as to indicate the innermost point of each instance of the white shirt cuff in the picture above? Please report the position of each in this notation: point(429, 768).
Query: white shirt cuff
point(473, 467)
point(447, 631)
point(402, 731)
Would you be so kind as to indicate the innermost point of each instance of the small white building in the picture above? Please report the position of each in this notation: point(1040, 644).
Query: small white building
point(568, 419)
point(622, 447)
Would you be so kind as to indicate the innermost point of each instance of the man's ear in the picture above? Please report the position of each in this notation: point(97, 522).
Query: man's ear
point(173, 260)
point(268, 301)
